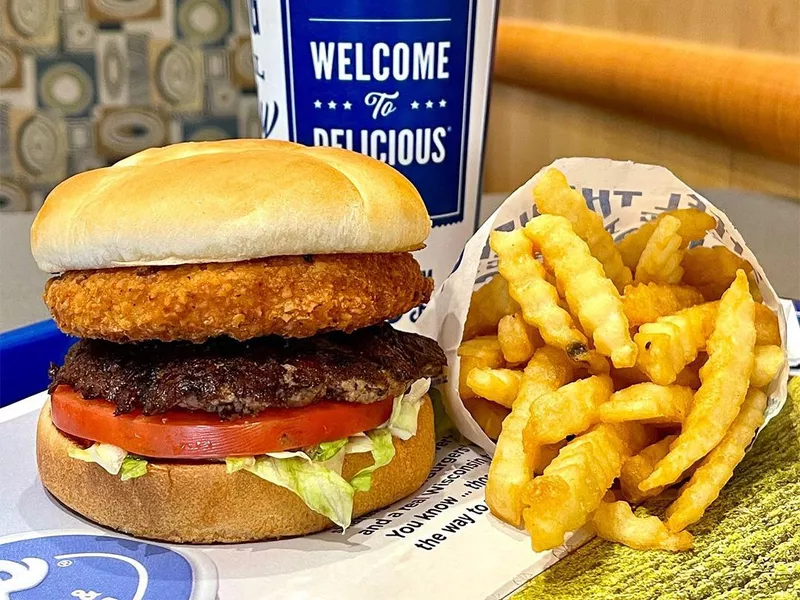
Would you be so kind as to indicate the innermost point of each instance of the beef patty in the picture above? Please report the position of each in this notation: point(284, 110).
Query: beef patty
point(243, 378)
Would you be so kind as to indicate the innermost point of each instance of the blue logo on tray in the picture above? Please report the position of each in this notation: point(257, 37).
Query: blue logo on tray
point(49, 566)
point(387, 79)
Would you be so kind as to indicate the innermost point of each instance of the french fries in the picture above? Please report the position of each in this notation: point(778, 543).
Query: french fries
point(755, 292)
point(646, 302)
point(672, 342)
point(615, 521)
point(768, 361)
point(725, 378)
point(554, 196)
point(489, 304)
point(686, 341)
point(518, 340)
point(660, 261)
point(497, 385)
point(767, 331)
point(639, 467)
point(712, 270)
point(688, 377)
point(647, 403)
point(512, 467)
point(545, 455)
point(572, 486)
point(694, 225)
point(537, 298)
point(489, 415)
point(481, 352)
point(590, 295)
point(717, 468)
point(569, 410)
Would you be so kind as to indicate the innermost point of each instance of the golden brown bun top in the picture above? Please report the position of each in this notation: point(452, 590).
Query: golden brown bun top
point(227, 201)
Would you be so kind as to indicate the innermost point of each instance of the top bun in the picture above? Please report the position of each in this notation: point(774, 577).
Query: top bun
point(232, 200)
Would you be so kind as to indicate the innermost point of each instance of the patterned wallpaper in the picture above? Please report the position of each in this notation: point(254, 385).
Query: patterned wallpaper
point(84, 83)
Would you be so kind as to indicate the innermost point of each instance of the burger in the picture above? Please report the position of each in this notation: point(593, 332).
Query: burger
point(236, 379)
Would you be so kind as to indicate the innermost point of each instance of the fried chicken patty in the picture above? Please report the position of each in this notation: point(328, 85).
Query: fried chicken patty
point(243, 378)
point(290, 296)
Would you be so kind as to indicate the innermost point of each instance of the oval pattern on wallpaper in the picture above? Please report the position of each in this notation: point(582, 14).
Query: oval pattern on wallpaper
point(126, 131)
point(30, 17)
point(38, 144)
point(177, 75)
point(243, 62)
point(114, 69)
point(204, 21)
point(119, 10)
point(9, 65)
point(66, 87)
point(12, 196)
point(209, 134)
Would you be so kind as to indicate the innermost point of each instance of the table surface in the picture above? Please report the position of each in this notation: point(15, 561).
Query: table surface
point(770, 224)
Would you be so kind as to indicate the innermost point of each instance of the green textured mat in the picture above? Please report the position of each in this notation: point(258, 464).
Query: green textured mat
point(747, 546)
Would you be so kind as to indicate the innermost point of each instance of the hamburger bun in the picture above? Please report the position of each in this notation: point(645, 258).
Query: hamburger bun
point(227, 201)
point(201, 503)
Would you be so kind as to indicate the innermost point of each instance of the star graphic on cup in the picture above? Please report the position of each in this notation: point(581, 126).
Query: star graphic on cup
point(429, 104)
point(442, 102)
point(414, 105)
point(347, 105)
point(331, 104)
point(317, 104)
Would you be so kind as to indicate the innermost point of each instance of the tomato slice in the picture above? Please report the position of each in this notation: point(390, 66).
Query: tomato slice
point(183, 434)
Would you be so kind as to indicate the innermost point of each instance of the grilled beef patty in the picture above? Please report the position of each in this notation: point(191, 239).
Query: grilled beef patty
point(232, 378)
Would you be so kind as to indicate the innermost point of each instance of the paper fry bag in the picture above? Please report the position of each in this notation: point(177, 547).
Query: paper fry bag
point(626, 194)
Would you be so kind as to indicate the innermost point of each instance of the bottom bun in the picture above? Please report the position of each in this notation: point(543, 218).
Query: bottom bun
point(201, 503)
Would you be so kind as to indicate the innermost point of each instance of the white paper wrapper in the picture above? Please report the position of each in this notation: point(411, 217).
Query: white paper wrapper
point(626, 194)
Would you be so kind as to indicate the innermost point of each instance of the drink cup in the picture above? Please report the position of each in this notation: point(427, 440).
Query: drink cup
point(405, 82)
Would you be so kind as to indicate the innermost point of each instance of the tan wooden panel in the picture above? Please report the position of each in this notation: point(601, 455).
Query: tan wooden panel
point(769, 25)
point(528, 130)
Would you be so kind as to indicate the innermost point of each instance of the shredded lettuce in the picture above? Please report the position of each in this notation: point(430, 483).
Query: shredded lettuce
point(107, 456)
point(382, 454)
point(113, 459)
point(237, 463)
point(315, 474)
point(292, 454)
point(335, 463)
point(322, 489)
point(132, 468)
point(327, 450)
point(358, 443)
point(405, 410)
point(330, 454)
point(442, 424)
